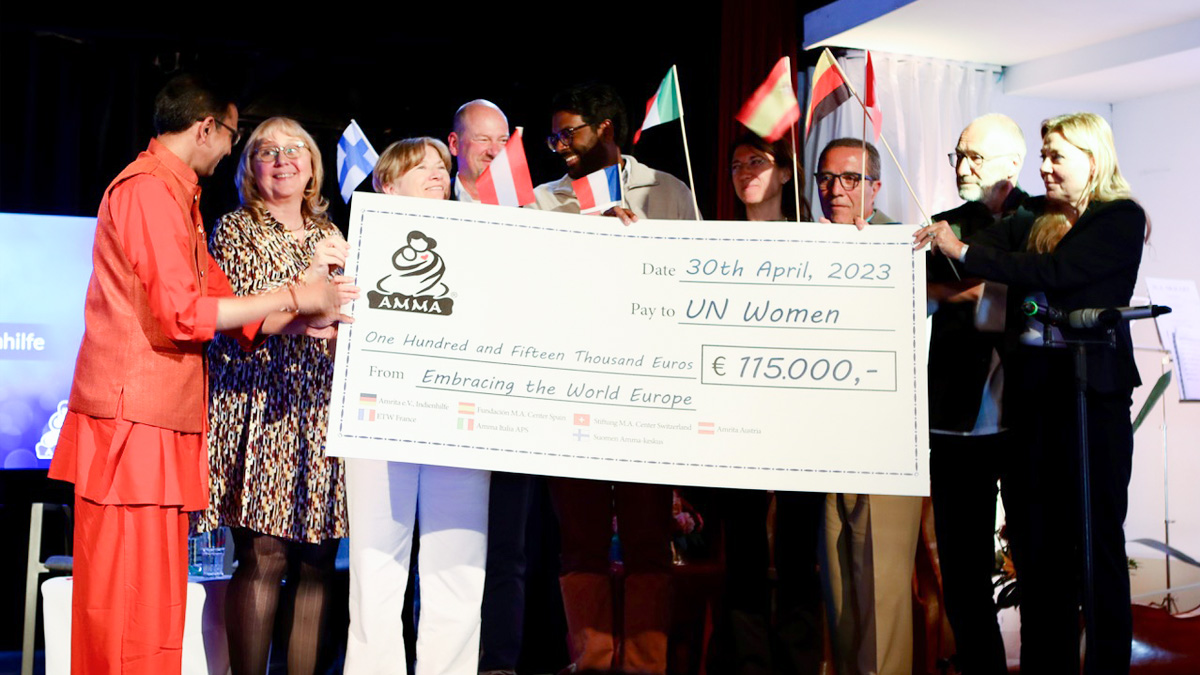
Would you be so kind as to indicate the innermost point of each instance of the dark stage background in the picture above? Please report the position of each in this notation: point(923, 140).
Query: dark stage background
point(76, 103)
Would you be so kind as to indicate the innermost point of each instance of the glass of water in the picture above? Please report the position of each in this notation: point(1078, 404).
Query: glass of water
point(195, 569)
point(212, 553)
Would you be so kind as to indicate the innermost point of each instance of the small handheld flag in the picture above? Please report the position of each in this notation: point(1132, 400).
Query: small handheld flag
point(663, 107)
point(870, 102)
point(598, 191)
point(506, 182)
point(355, 159)
point(829, 90)
point(773, 107)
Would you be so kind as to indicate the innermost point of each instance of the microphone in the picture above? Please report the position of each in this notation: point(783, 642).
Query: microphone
point(1091, 318)
point(1045, 314)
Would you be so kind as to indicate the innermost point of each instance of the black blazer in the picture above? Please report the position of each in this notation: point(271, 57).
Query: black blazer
point(960, 356)
point(1095, 265)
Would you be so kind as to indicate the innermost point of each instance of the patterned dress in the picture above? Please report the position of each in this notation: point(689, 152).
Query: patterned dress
point(269, 407)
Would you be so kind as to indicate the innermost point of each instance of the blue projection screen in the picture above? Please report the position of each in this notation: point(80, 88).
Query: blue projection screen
point(45, 263)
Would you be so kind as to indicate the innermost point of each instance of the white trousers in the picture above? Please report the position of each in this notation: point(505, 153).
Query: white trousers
point(384, 500)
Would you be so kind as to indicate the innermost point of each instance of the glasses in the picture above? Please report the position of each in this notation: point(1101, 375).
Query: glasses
point(755, 164)
point(849, 181)
point(233, 133)
point(977, 160)
point(563, 136)
point(267, 154)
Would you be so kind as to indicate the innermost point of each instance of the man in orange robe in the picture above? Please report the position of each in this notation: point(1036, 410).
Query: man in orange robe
point(133, 439)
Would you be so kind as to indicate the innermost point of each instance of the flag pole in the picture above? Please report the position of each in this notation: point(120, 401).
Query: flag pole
point(796, 171)
point(862, 200)
point(795, 149)
point(883, 138)
point(687, 157)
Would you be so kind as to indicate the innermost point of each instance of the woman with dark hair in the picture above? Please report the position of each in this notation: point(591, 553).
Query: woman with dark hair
point(762, 176)
point(270, 480)
point(1082, 250)
point(750, 637)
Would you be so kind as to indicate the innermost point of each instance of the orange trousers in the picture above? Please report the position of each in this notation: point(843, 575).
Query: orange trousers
point(130, 588)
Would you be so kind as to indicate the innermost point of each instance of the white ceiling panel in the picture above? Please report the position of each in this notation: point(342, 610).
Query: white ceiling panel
point(1102, 50)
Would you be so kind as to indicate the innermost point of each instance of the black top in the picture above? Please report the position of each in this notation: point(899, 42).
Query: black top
point(1095, 265)
point(960, 356)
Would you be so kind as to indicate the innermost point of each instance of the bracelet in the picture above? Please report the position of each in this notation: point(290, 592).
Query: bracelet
point(295, 301)
point(962, 255)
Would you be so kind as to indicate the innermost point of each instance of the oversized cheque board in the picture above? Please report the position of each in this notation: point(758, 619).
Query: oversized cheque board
point(766, 355)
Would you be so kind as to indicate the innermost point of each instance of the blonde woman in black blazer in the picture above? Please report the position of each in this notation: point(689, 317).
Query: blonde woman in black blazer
point(1079, 248)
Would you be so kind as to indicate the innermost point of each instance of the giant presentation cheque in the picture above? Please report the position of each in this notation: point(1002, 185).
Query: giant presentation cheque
point(770, 355)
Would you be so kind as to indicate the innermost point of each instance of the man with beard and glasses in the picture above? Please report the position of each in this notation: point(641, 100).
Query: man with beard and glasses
point(588, 127)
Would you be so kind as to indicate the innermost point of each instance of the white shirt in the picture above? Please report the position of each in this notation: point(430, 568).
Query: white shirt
point(460, 192)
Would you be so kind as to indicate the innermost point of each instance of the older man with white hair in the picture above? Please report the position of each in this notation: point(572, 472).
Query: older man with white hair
point(966, 379)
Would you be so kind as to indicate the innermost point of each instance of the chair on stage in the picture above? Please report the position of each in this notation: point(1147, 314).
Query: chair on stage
point(36, 567)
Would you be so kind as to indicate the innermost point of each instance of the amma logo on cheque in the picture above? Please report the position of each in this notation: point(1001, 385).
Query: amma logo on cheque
point(415, 285)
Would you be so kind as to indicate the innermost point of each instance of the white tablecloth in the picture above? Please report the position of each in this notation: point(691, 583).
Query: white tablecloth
point(205, 650)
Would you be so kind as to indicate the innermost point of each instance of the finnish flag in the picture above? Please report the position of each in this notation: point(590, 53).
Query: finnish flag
point(355, 159)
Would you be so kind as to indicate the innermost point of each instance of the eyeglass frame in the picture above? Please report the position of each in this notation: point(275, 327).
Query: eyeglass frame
point(956, 159)
point(234, 134)
point(858, 178)
point(755, 162)
point(554, 139)
point(278, 150)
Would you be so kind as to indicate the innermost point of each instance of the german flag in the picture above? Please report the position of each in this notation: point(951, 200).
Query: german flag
point(828, 92)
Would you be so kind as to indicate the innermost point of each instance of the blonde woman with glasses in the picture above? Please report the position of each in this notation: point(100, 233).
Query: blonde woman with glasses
point(270, 479)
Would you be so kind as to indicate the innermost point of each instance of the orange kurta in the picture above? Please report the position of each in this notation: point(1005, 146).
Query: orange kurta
point(133, 439)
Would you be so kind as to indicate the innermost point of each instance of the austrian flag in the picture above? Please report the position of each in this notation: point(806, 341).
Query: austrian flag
point(506, 182)
point(870, 101)
point(598, 191)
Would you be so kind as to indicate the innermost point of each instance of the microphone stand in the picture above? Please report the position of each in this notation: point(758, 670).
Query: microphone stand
point(1079, 351)
point(1079, 345)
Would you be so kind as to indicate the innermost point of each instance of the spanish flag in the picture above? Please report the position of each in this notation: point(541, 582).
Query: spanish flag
point(828, 92)
point(773, 107)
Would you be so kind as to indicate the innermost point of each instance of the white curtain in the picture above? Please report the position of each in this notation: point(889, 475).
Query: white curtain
point(925, 103)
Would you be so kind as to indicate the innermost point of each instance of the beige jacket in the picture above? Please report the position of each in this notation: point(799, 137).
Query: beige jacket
point(648, 193)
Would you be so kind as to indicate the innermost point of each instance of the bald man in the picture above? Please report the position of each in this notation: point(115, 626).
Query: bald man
point(966, 379)
point(480, 132)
